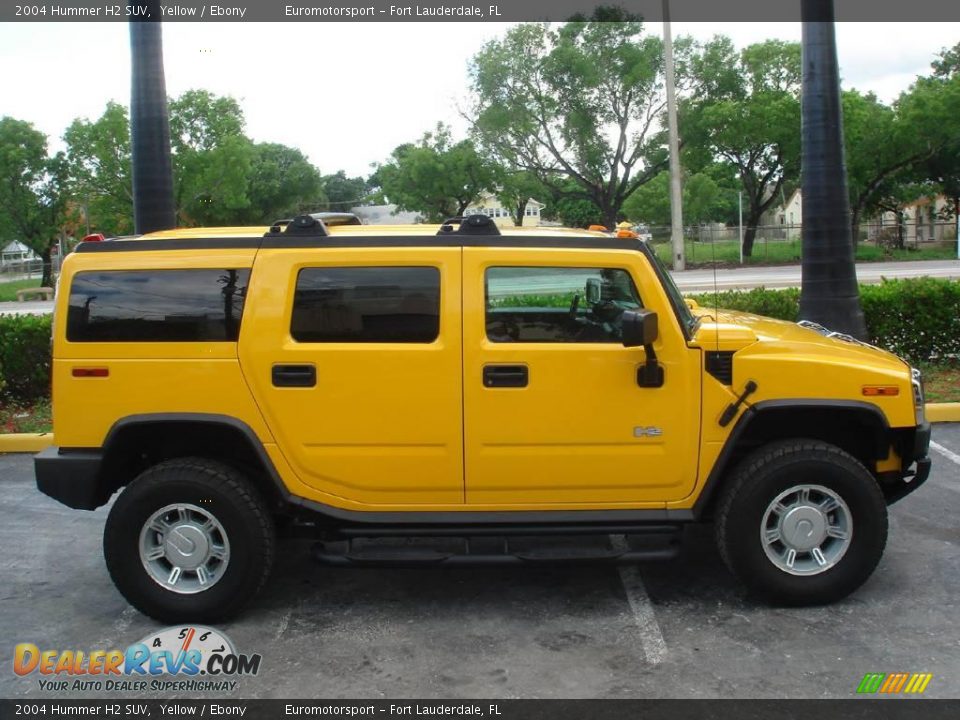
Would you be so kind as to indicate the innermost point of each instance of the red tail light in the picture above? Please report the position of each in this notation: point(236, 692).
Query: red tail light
point(94, 237)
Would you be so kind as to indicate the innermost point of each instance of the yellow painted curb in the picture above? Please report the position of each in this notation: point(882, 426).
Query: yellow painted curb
point(25, 442)
point(943, 412)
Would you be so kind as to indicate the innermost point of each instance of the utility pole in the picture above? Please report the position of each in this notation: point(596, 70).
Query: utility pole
point(676, 201)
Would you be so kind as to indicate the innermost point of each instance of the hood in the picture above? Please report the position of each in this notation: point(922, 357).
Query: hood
point(735, 331)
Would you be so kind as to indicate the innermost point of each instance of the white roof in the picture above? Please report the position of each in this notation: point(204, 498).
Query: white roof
point(16, 247)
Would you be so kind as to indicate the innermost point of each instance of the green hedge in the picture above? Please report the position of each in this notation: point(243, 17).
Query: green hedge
point(24, 357)
point(917, 318)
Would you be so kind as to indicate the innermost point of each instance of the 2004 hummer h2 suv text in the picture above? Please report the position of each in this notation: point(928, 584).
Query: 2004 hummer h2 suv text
point(506, 392)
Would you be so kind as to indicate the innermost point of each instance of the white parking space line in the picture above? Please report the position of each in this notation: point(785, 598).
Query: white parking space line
point(949, 454)
point(654, 648)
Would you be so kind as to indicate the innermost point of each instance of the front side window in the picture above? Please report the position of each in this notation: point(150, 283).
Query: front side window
point(367, 305)
point(558, 304)
point(196, 305)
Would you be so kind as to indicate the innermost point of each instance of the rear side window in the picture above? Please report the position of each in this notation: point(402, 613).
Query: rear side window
point(367, 305)
point(157, 305)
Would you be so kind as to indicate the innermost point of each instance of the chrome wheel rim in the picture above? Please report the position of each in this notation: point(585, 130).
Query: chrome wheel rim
point(806, 530)
point(184, 548)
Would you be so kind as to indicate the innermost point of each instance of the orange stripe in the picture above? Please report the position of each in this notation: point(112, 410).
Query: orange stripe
point(888, 682)
point(903, 679)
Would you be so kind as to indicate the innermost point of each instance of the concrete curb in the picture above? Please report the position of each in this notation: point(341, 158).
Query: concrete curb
point(25, 442)
point(943, 412)
point(35, 442)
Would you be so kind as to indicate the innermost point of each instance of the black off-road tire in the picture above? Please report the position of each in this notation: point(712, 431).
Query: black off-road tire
point(763, 476)
point(229, 497)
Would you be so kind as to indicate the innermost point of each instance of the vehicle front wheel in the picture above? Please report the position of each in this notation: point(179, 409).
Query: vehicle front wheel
point(189, 540)
point(801, 523)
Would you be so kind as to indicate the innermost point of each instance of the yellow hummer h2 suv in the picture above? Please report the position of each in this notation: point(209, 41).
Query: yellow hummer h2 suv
point(520, 395)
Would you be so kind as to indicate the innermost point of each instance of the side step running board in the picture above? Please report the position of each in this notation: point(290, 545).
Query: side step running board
point(414, 552)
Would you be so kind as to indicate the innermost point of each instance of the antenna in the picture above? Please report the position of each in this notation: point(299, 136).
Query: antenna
point(716, 293)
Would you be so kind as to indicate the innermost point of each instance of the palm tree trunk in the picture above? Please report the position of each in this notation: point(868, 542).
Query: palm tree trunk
point(153, 207)
point(829, 294)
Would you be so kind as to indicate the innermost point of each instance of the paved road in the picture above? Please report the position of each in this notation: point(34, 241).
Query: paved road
point(702, 280)
point(789, 275)
point(679, 629)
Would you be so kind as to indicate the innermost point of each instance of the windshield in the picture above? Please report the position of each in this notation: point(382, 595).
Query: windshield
point(687, 319)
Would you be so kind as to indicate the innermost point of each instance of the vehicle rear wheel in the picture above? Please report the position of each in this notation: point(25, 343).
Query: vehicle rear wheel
point(801, 523)
point(189, 540)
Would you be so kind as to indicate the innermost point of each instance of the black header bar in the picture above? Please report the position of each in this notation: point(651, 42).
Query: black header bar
point(327, 11)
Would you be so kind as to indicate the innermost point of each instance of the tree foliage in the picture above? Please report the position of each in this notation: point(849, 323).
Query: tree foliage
point(342, 193)
point(515, 189)
point(33, 200)
point(98, 165)
point(581, 102)
point(746, 112)
point(436, 176)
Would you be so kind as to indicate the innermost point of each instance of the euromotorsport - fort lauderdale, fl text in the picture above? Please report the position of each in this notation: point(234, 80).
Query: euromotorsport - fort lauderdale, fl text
point(474, 11)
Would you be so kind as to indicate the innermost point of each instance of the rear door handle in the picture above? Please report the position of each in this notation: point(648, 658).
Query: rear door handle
point(505, 376)
point(294, 375)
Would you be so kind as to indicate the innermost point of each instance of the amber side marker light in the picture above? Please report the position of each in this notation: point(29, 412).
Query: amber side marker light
point(880, 390)
point(627, 234)
point(91, 372)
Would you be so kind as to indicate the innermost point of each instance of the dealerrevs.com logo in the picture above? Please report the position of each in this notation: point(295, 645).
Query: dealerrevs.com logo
point(200, 657)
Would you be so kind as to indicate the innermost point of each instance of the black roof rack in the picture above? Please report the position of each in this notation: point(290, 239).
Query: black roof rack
point(300, 225)
point(470, 225)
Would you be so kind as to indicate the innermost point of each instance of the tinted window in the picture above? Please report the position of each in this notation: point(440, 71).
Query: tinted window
point(558, 304)
point(156, 305)
point(368, 304)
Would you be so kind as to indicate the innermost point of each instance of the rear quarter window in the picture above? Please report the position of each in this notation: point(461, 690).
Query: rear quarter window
point(195, 305)
point(366, 305)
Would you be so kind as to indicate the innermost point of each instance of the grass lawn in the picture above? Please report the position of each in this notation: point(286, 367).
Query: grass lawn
point(30, 419)
point(8, 289)
point(727, 253)
point(942, 382)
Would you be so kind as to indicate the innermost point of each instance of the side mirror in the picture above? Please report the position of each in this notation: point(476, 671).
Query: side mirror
point(592, 291)
point(639, 327)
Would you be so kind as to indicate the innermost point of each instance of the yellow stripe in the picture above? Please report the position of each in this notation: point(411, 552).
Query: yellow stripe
point(914, 679)
point(927, 677)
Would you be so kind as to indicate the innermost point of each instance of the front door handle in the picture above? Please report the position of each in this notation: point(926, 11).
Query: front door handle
point(505, 376)
point(294, 375)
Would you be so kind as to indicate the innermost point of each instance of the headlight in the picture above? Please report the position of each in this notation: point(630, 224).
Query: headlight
point(917, 380)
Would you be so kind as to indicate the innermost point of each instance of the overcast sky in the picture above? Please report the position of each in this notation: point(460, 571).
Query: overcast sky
point(347, 94)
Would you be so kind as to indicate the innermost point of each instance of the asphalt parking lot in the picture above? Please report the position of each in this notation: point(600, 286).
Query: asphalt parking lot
point(682, 628)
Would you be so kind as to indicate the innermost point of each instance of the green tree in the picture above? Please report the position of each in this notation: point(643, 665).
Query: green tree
point(32, 197)
point(881, 148)
point(436, 177)
point(212, 158)
point(99, 169)
point(703, 200)
point(516, 188)
point(581, 102)
point(281, 183)
point(937, 101)
point(343, 193)
point(746, 113)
